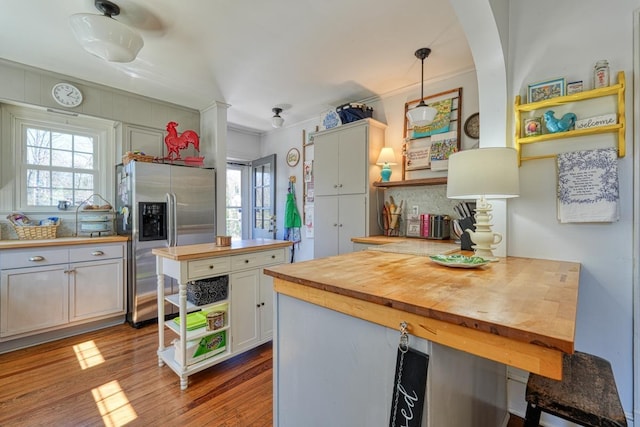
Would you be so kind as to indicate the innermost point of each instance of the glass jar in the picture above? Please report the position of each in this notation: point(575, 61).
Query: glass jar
point(601, 74)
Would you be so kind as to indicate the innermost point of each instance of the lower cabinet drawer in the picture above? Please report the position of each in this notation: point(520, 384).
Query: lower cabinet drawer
point(257, 259)
point(207, 267)
point(93, 253)
point(33, 257)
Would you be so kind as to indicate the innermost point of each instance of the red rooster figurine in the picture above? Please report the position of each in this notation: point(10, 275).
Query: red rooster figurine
point(176, 143)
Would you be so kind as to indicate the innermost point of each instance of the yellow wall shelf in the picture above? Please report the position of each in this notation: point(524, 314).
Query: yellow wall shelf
point(619, 127)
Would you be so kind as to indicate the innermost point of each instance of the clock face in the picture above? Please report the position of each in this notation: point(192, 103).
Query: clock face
point(67, 95)
point(472, 126)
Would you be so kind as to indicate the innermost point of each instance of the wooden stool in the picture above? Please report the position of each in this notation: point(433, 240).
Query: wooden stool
point(586, 395)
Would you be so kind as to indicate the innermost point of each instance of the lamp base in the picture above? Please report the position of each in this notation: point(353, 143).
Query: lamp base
point(385, 173)
point(483, 237)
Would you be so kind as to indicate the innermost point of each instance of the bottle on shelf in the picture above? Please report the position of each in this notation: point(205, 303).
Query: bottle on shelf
point(601, 74)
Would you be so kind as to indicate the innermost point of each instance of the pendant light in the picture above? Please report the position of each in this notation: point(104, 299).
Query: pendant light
point(276, 120)
point(103, 36)
point(421, 115)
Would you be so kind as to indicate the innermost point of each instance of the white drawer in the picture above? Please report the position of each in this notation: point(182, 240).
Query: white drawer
point(97, 252)
point(257, 259)
point(33, 257)
point(208, 267)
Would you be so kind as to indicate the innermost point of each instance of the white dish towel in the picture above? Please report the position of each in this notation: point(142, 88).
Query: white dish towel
point(588, 186)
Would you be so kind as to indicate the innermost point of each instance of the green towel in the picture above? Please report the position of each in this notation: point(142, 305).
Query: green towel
point(194, 320)
point(292, 216)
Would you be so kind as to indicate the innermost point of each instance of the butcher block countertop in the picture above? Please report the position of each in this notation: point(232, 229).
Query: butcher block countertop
point(518, 311)
point(62, 241)
point(208, 250)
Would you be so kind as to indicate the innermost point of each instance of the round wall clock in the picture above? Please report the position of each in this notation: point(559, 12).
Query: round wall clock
point(472, 126)
point(66, 95)
point(293, 157)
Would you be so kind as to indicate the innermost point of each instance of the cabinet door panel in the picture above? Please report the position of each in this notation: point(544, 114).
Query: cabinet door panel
point(325, 164)
point(352, 160)
point(149, 141)
point(352, 213)
point(325, 242)
point(244, 311)
point(33, 299)
point(266, 306)
point(98, 289)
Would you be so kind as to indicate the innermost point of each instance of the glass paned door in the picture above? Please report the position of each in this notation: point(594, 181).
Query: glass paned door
point(263, 197)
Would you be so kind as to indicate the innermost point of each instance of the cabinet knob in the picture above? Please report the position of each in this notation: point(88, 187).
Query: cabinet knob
point(246, 261)
point(335, 224)
point(211, 267)
point(69, 271)
point(257, 305)
point(36, 258)
point(339, 225)
point(97, 253)
point(335, 185)
point(273, 257)
point(339, 185)
point(262, 304)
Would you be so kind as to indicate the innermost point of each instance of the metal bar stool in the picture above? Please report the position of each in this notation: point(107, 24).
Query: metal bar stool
point(586, 395)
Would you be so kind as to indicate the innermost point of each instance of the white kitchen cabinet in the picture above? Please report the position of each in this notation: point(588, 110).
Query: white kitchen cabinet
point(341, 219)
point(139, 138)
point(49, 288)
point(344, 171)
point(249, 307)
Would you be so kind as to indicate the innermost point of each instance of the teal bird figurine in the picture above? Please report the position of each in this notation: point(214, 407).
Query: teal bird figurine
point(559, 125)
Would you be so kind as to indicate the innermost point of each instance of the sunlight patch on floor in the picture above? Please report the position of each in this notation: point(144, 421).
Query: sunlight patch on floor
point(88, 354)
point(113, 404)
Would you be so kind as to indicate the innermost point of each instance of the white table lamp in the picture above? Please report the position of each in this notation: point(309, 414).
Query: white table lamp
point(484, 173)
point(386, 158)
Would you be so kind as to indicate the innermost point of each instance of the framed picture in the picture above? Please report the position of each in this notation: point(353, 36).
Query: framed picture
point(293, 157)
point(546, 90)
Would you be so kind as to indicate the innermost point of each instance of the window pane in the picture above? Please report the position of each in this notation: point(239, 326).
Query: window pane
point(38, 137)
point(38, 156)
point(38, 178)
point(39, 196)
point(84, 181)
point(234, 222)
point(258, 177)
point(62, 180)
point(258, 218)
point(258, 198)
point(267, 175)
point(84, 144)
point(61, 158)
point(81, 196)
point(83, 160)
point(61, 141)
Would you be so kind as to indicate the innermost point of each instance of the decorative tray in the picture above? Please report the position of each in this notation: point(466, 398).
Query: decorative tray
point(459, 261)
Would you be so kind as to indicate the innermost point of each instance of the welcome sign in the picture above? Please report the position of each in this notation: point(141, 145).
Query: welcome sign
point(594, 122)
point(409, 389)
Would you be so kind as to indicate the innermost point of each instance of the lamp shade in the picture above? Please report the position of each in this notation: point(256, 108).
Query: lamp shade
point(277, 121)
point(491, 173)
point(105, 37)
point(422, 115)
point(387, 156)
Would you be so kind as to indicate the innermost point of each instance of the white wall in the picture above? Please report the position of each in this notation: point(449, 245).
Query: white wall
point(551, 39)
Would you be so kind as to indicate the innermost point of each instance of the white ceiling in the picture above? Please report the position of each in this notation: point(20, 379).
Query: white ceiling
point(251, 54)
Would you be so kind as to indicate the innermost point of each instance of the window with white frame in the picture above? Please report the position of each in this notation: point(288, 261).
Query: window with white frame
point(60, 158)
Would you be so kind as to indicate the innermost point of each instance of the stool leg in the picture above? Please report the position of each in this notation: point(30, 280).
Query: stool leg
point(532, 417)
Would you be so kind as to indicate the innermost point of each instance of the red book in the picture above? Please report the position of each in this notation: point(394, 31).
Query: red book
point(424, 225)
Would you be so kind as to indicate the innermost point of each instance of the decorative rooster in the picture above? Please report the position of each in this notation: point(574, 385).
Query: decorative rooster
point(176, 143)
point(564, 124)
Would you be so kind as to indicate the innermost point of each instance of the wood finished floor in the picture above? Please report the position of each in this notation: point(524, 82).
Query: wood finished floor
point(123, 385)
point(46, 385)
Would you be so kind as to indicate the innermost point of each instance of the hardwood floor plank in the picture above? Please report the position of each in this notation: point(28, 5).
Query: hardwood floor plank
point(45, 385)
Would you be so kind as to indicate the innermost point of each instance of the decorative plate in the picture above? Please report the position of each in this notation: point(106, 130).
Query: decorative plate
point(472, 126)
point(459, 261)
point(329, 120)
point(293, 157)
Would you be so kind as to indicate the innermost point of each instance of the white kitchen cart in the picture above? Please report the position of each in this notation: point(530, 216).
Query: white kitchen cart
point(248, 307)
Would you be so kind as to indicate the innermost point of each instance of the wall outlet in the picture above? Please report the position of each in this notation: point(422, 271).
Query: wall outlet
point(414, 209)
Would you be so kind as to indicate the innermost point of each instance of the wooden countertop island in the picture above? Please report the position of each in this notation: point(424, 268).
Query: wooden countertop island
point(517, 311)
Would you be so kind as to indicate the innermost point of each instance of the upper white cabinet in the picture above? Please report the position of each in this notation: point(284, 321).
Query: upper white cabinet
point(139, 138)
point(344, 169)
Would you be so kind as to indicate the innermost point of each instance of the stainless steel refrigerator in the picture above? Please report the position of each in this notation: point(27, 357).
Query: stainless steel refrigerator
point(160, 205)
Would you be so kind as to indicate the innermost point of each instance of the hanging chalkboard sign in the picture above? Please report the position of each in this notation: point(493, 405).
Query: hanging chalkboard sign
point(409, 388)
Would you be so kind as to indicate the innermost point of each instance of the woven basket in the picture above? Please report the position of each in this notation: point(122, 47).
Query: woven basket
point(35, 232)
point(137, 157)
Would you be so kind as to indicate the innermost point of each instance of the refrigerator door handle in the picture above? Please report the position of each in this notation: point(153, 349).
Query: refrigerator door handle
point(170, 220)
point(174, 219)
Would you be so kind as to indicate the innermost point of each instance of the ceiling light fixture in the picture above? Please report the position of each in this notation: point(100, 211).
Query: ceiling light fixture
point(103, 36)
point(421, 115)
point(276, 120)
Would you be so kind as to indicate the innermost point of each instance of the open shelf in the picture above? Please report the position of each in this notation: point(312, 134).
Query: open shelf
point(411, 182)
